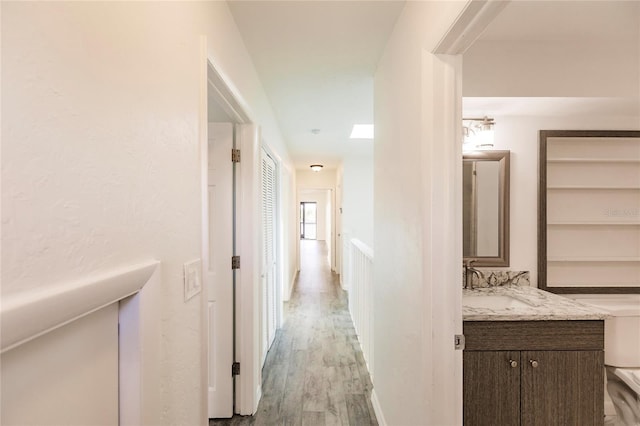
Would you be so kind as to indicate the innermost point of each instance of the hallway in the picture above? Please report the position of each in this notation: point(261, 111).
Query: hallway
point(315, 373)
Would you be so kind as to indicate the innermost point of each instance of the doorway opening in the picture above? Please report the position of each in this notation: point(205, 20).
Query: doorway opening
point(308, 220)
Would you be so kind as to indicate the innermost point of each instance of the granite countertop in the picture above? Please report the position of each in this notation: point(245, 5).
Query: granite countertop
point(544, 306)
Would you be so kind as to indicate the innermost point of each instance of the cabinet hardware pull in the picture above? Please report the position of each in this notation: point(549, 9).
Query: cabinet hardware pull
point(534, 363)
point(513, 363)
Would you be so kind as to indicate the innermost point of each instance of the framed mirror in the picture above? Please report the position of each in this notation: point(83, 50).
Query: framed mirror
point(485, 207)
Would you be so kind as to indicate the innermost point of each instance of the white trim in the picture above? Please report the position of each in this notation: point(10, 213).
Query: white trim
point(31, 314)
point(206, 70)
point(377, 408)
point(442, 233)
point(139, 341)
point(469, 25)
point(291, 284)
point(248, 225)
point(226, 95)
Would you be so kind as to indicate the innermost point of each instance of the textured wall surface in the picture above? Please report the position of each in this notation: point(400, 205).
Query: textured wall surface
point(357, 207)
point(100, 144)
point(413, 259)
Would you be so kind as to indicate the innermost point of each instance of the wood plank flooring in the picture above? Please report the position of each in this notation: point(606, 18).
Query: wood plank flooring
point(314, 373)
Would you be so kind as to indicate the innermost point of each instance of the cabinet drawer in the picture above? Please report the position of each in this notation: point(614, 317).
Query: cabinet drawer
point(534, 335)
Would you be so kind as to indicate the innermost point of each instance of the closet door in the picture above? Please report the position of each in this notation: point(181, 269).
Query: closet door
point(269, 296)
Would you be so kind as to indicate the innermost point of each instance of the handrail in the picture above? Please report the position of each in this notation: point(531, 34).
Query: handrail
point(365, 249)
point(31, 314)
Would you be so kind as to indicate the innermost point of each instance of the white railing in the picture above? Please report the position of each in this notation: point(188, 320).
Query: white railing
point(358, 268)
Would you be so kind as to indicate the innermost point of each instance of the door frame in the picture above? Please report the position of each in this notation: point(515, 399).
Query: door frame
point(304, 222)
point(246, 138)
point(444, 65)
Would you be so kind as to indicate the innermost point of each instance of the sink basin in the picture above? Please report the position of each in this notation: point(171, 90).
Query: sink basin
point(492, 302)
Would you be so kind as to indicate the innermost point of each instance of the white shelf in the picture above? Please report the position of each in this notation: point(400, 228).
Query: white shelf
point(593, 191)
point(593, 259)
point(609, 284)
point(593, 223)
point(593, 160)
point(635, 188)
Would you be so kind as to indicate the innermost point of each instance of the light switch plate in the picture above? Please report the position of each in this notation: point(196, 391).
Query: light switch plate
point(192, 278)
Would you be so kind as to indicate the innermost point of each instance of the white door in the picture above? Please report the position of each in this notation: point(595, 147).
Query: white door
point(218, 272)
point(269, 296)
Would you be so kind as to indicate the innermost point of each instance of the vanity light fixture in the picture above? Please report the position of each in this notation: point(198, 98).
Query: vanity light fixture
point(477, 133)
point(316, 167)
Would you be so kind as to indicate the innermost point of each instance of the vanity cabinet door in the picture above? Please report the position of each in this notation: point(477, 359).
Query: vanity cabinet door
point(562, 388)
point(491, 387)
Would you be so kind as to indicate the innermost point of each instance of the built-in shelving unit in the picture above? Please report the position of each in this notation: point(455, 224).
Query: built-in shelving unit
point(589, 225)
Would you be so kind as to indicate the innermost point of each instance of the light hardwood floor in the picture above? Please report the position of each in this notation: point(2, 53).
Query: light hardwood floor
point(314, 373)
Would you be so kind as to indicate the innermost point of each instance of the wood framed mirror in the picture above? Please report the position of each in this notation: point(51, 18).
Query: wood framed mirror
point(485, 206)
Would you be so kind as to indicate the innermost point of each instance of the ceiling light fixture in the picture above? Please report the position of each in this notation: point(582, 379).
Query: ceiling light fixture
point(362, 131)
point(316, 167)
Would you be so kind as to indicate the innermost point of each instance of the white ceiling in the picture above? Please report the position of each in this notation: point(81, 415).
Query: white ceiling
point(549, 107)
point(316, 60)
point(557, 20)
point(543, 21)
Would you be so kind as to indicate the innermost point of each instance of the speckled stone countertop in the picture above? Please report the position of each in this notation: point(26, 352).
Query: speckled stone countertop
point(544, 306)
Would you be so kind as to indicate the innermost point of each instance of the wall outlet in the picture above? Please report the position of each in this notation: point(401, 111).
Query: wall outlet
point(192, 278)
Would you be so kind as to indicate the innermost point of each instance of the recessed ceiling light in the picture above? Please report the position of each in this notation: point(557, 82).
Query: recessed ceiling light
point(362, 131)
point(316, 167)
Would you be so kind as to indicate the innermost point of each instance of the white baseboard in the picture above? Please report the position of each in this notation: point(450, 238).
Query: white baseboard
point(291, 284)
point(257, 400)
point(377, 408)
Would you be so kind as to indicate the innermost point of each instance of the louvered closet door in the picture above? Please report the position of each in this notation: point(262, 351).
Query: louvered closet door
point(269, 295)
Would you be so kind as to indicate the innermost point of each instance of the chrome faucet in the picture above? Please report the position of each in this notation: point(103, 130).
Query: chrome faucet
point(468, 271)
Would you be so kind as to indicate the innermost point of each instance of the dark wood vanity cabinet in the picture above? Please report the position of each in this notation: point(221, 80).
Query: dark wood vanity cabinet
point(533, 373)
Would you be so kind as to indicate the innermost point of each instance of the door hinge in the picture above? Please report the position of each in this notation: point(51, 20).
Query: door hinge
point(235, 369)
point(235, 262)
point(235, 155)
point(458, 340)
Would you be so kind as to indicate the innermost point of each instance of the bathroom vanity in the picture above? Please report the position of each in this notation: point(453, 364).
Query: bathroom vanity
point(531, 358)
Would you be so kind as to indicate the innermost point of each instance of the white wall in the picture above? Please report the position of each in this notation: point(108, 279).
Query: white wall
point(324, 179)
point(328, 210)
point(520, 136)
point(100, 162)
point(78, 359)
point(290, 230)
point(417, 222)
point(357, 199)
point(552, 68)
point(542, 76)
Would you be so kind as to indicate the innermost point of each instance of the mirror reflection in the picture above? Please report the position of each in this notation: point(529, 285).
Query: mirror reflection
point(485, 207)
